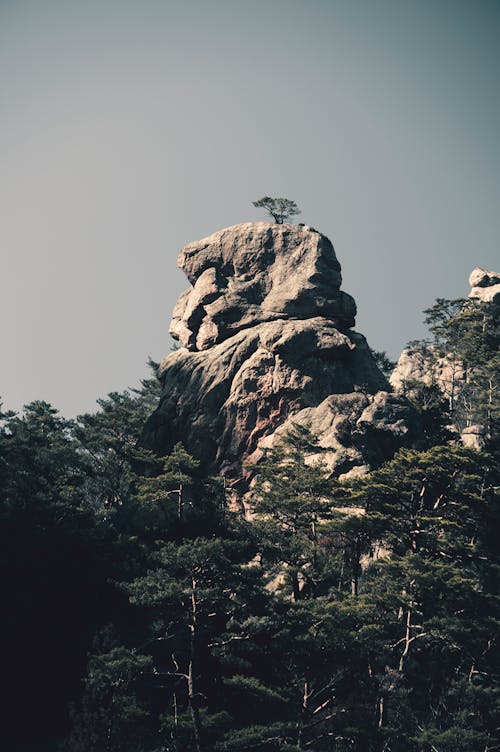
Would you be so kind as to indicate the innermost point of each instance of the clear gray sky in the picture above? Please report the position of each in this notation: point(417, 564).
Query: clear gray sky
point(130, 127)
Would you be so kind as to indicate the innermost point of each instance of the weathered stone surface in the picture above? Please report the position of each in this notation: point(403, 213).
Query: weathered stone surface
point(267, 339)
point(255, 272)
point(357, 431)
point(221, 401)
point(485, 285)
point(420, 364)
point(448, 373)
point(413, 364)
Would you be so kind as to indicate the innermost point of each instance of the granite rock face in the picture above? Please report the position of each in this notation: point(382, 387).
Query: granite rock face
point(485, 285)
point(256, 272)
point(267, 339)
point(448, 373)
point(420, 364)
point(357, 431)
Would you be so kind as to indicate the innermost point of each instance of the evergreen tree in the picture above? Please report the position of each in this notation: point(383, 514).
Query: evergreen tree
point(185, 499)
point(432, 598)
point(51, 578)
point(289, 501)
point(108, 441)
point(383, 361)
point(360, 616)
point(199, 592)
point(112, 716)
point(466, 340)
point(280, 209)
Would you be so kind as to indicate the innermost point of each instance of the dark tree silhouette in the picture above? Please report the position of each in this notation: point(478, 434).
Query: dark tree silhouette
point(280, 209)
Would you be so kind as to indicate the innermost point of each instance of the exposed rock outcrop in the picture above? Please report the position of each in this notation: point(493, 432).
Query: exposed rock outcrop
point(356, 431)
point(485, 285)
point(267, 339)
point(255, 272)
point(421, 364)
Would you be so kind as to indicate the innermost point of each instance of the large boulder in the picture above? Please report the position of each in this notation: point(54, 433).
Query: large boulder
point(266, 335)
point(421, 364)
point(357, 431)
point(255, 272)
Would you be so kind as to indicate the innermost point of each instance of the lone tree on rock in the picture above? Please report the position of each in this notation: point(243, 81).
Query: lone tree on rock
point(280, 209)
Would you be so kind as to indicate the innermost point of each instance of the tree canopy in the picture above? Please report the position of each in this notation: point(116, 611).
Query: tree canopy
point(280, 209)
point(141, 613)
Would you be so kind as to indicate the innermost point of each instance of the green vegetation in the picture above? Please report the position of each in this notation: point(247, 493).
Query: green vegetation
point(385, 364)
point(464, 356)
point(280, 209)
point(142, 614)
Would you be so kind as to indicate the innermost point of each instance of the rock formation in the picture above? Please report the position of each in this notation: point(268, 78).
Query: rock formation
point(257, 272)
point(420, 363)
point(485, 286)
point(448, 373)
point(266, 339)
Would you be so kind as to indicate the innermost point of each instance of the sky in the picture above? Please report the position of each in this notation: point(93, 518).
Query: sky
point(131, 127)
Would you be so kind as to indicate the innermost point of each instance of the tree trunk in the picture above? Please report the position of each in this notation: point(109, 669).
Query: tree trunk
point(179, 502)
point(407, 638)
point(294, 576)
point(382, 711)
point(356, 568)
point(303, 714)
point(195, 714)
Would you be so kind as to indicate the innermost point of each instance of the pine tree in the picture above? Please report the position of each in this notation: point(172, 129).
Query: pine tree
point(432, 595)
point(280, 209)
point(52, 581)
point(466, 340)
point(111, 717)
point(108, 441)
point(198, 590)
point(289, 501)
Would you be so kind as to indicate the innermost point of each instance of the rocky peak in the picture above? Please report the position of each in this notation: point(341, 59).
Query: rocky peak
point(256, 272)
point(267, 339)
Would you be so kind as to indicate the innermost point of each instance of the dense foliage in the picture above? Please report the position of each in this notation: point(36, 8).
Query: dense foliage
point(462, 357)
point(143, 614)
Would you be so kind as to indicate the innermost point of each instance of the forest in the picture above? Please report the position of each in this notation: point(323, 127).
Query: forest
point(142, 612)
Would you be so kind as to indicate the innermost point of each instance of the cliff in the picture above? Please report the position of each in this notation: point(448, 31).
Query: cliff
point(267, 338)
